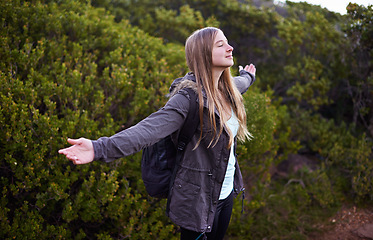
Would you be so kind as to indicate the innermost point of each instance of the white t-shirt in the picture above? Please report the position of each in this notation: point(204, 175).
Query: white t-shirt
point(227, 186)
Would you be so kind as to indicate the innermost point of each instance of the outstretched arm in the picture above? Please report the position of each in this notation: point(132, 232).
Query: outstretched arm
point(147, 132)
point(246, 77)
point(81, 151)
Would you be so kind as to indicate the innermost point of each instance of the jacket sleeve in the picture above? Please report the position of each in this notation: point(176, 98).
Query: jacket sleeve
point(244, 81)
point(156, 126)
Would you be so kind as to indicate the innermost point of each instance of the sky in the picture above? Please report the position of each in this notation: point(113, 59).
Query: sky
point(334, 5)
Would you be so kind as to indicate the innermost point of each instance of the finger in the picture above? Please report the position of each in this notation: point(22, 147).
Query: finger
point(240, 68)
point(251, 68)
point(74, 141)
point(76, 160)
point(63, 151)
point(72, 157)
point(67, 150)
point(73, 161)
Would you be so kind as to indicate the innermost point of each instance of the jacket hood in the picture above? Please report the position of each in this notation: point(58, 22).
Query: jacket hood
point(188, 81)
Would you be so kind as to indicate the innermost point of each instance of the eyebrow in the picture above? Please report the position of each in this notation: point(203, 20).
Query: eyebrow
point(223, 40)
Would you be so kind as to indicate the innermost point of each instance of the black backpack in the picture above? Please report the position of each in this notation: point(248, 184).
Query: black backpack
point(159, 161)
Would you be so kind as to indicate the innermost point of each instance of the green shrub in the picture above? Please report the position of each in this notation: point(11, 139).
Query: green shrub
point(68, 70)
point(345, 157)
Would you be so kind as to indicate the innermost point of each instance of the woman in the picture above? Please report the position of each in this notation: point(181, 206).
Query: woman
point(208, 177)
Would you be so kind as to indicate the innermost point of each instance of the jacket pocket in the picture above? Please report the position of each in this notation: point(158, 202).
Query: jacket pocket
point(184, 199)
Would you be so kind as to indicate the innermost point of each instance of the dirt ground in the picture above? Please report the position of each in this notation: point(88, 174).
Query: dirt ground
point(350, 223)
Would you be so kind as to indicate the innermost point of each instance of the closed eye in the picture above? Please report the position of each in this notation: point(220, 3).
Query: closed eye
point(220, 43)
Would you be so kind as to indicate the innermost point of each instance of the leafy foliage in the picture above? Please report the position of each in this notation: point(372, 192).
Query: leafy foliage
point(72, 69)
point(68, 70)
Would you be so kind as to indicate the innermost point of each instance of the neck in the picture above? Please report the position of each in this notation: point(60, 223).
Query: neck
point(216, 73)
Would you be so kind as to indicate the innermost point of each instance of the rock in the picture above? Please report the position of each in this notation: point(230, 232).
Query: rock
point(293, 164)
point(365, 231)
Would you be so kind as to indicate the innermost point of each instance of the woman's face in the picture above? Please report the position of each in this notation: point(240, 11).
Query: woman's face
point(221, 52)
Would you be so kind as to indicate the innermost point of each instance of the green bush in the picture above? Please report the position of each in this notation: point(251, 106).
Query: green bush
point(67, 70)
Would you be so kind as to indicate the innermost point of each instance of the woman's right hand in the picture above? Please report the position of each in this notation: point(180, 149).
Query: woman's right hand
point(81, 151)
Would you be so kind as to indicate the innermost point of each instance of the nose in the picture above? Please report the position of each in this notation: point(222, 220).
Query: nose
point(230, 48)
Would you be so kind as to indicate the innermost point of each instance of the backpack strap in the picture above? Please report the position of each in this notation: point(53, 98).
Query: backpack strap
point(191, 122)
point(186, 133)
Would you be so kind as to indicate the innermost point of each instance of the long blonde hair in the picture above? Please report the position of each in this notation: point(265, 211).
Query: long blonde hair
point(198, 54)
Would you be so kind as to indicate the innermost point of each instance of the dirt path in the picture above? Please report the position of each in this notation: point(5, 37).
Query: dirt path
point(350, 223)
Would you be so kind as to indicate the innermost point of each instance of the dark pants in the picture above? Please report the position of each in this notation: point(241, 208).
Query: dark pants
point(221, 222)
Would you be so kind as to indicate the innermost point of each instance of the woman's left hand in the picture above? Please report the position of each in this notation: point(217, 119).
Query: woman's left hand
point(248, 68)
